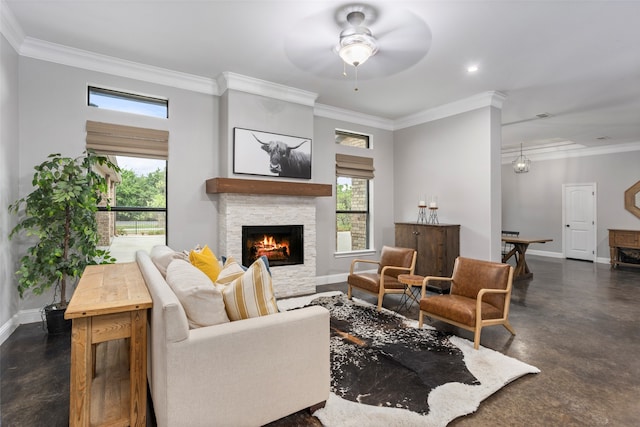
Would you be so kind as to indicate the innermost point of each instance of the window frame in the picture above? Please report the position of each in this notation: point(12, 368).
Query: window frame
point(367, 213)
point(354, 134)
point(135, 98)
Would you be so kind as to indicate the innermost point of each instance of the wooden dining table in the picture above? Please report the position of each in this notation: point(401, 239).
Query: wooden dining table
point(520, 246)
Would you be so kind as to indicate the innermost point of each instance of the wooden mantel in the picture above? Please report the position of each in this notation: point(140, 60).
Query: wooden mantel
point(255, 186)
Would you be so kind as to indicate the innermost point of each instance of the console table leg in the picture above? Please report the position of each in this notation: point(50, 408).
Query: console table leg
point(81, 373)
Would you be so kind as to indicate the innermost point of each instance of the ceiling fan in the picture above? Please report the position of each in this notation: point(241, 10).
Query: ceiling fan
point(389, 41)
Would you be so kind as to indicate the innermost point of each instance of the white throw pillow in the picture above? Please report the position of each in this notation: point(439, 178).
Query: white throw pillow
point(162, 255)
point(202, 301)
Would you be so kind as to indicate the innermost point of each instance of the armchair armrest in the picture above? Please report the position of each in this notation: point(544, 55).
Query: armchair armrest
point(427, 279)
point(356, 261)
point(482, 293)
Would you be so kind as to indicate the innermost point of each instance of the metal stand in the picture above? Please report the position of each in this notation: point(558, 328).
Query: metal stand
point(433, 216)
point(422, 214)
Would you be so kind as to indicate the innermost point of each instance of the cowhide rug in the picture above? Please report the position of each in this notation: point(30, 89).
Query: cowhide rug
point(387, 372)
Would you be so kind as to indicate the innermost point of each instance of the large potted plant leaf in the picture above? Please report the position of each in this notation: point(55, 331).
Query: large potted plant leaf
point(59, 219)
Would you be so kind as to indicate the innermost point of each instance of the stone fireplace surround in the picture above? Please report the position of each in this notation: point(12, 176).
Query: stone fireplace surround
point(258, 202)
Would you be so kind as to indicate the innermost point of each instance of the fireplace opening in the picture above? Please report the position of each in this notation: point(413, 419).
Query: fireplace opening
point(281, 244)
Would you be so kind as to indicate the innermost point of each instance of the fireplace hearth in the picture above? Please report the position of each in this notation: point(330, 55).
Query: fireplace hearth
point(281, 244)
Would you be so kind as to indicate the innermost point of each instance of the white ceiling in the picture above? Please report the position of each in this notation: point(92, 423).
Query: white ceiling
point(579, 61)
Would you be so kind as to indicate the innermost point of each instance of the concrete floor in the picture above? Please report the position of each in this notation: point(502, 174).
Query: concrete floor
point(578, 322)
point(123, 248)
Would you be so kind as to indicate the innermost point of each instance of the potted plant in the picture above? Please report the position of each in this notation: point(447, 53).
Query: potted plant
point(59, 217)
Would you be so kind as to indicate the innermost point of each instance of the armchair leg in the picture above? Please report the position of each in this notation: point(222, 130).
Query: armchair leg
point(476, 338)
point(420, 319)
point(380, 298)
point(349, 291)
point(509, 327)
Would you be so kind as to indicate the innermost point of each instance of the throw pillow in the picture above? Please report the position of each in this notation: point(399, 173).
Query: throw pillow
point(230, 272)
point(250, 294)
point(206, 261)
point(202, 301)
point(264, 258)
point(162, 255)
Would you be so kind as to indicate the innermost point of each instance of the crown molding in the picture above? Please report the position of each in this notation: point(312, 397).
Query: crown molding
point(228, 80)
point(481, 100)
point(64, 55)
point(10, 28)
point(342, 114)
point(578, 152)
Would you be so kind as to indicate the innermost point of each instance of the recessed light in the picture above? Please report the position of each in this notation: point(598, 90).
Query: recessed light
point(472, 68)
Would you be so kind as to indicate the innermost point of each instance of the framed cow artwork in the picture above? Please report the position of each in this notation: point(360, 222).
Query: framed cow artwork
point(271, 154)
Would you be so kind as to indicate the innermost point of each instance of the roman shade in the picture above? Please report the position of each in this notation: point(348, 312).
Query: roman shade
point(123, 140)
point(354, 166)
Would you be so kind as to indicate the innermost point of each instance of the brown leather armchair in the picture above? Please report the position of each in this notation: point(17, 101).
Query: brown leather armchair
point(393, 262)
point(480, 296)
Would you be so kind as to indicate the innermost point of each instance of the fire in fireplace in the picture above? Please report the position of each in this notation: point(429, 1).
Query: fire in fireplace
point(281, 244)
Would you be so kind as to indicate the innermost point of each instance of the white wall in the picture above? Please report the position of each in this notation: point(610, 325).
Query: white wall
point(8, 184)
point(532, 202)
point(53, 112)
point(452, 158)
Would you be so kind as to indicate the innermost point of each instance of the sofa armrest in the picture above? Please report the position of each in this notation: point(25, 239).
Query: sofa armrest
point(248, 372)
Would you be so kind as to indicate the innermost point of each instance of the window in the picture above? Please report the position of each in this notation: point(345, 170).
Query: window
point(138, 215)
point(128, 102)
point(352, 214)
point(352, 139)
point(354, 176)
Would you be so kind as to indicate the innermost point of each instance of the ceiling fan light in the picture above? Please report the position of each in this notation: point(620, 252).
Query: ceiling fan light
point(356, 54)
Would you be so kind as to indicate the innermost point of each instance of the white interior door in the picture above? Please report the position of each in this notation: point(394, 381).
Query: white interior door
point(579, 221)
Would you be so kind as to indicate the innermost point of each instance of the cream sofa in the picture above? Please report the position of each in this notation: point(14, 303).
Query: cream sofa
point(243, 373)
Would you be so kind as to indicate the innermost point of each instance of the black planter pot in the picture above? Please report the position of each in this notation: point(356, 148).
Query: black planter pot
point(56, 323)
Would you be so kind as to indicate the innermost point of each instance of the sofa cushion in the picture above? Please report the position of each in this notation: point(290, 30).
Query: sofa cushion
point(202, 301)
point(247, 293)
point(162, 256)
point(206, 261)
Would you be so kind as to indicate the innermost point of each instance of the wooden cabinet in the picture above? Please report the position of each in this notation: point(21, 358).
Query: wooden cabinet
point(438, 245)
point(623, 239)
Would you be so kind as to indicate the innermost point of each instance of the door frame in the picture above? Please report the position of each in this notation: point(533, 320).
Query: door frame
point(594, 189)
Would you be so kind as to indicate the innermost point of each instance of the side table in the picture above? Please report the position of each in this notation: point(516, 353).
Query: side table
point(110, 303)
point(412, 282)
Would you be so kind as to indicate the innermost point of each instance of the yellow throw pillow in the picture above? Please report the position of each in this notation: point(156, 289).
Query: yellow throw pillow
point(206, 261)
point(250, 294)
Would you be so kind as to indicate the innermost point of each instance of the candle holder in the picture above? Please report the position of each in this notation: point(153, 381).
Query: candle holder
point(422, 214)
point(433, 215)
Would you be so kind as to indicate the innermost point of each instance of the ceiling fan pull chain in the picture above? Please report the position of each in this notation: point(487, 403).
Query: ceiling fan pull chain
point(355, 89)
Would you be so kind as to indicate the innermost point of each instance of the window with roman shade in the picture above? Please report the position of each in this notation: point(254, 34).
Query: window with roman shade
point(138, 193)
point(123, 140)
point(354, 175)
point(354, 166)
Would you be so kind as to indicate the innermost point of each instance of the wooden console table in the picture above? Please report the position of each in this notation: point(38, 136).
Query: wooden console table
point(110, 303)
point(627, 239)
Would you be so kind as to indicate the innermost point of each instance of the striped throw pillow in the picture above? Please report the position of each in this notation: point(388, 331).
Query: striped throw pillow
point(249, 294)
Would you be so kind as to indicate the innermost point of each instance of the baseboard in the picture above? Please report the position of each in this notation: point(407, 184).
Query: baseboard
point(30, 316)
point(7, 329)
point(545, 253)
point(330, 279)
point(20, 318)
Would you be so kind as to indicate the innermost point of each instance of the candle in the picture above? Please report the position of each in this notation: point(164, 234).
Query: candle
point(433, 205)
point(422, 203)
